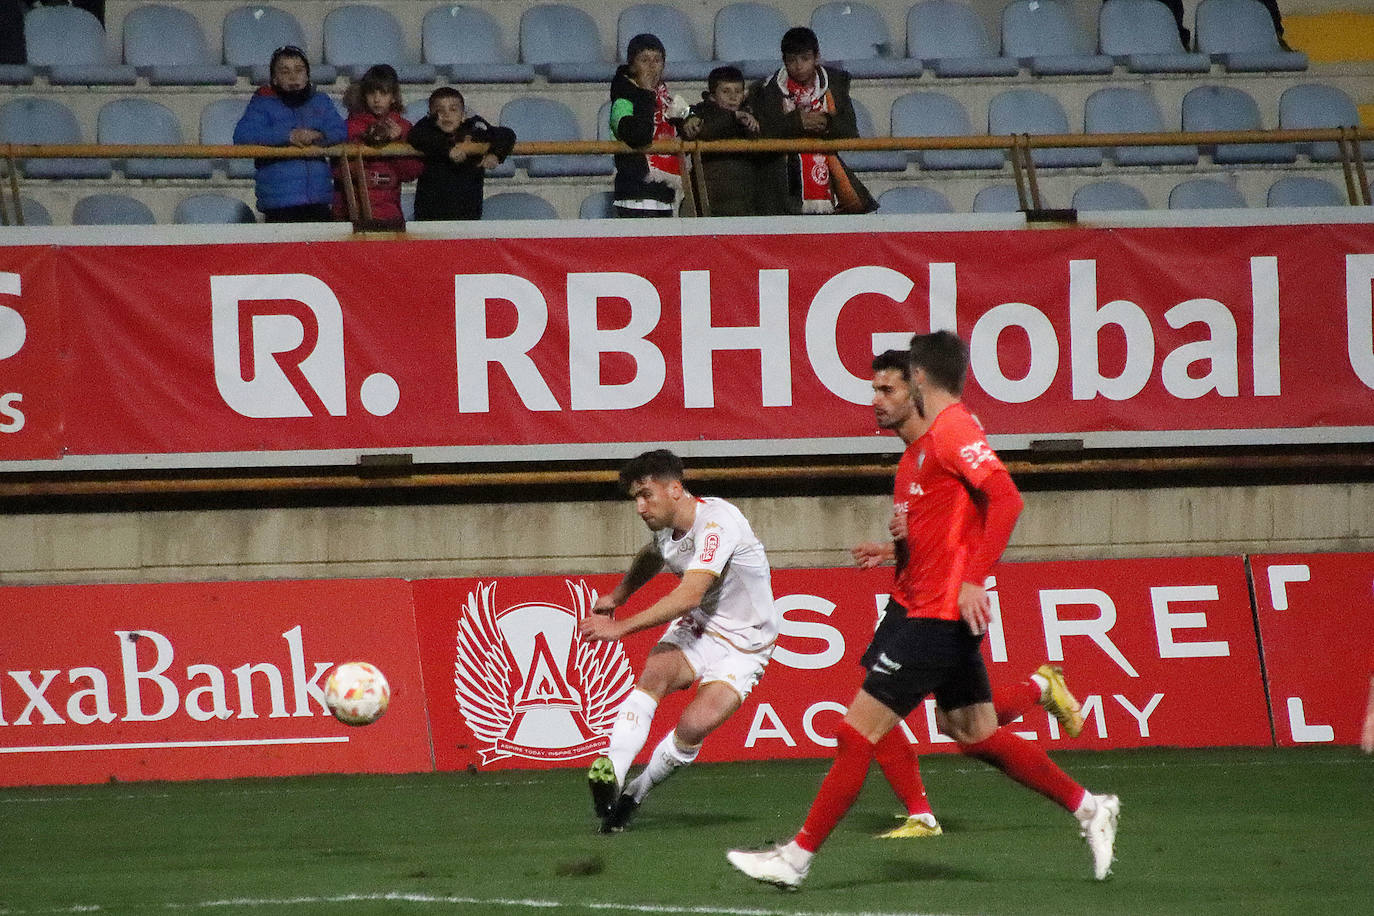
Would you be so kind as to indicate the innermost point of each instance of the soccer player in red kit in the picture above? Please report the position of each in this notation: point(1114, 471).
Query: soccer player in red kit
point(961, 507)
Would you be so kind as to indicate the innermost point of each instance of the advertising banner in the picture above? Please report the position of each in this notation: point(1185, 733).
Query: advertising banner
point(511, 686)
point(202, 680)
point(30, 343)
point(1316, 621)
point(486, 348)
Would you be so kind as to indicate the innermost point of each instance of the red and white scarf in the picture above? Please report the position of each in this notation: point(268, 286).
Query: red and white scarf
point(815, 169)
point(664, 167)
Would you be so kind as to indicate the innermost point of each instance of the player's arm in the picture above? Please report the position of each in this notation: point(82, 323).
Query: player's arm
point(1003, 502)
point(1367, 733)
point(671, 606)
point(645, 565)
point(873, 553)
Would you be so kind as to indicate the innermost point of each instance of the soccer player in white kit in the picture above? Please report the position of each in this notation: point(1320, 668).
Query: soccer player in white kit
point(724, 627)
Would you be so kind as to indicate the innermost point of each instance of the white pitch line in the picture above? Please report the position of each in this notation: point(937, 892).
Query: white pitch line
point(141, 745)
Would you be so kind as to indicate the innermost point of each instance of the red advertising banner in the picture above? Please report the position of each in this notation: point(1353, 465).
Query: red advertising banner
point(510, 685)
point(203, 680)
point(1316, 619)
point(30, 341)
point(483, 348)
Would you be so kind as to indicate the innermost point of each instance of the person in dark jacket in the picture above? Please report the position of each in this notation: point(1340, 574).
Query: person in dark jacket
point(641, 112)
point(289, 112)
point(807, 100)
point(732, 179)
point(458, 150)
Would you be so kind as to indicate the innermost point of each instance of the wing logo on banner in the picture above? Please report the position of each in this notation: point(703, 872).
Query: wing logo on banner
point(527, 686)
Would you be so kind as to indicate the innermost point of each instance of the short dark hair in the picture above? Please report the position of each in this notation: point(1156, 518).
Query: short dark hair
point(378, 78)
point(894, 361)
point(799, 39)
point(446, 92)
point(660, 464)
point(723, 75)
point(944, 357)
point(644, 41)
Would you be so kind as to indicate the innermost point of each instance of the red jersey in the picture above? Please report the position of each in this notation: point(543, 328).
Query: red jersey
point(938, 487)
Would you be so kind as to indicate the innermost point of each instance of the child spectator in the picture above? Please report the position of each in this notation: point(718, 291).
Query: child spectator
point(458, 150)
point(732, 179)
point(806, 100)
point(289, 112)
point(642, 112)
point(374, 106)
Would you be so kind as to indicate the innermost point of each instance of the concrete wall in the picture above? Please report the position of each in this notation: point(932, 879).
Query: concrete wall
point(417, 541)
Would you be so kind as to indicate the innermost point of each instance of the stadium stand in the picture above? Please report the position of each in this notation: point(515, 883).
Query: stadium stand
point(913, 200)
point(856, 37)
point(1304, 191)
point(562, 43)
point(936, 114)
point(1030, 111)
point(143, 121)
point(1043, 36)
point(212, 208)
point(1124, 110)
point(167, 45)
point(746, 34)
point(597, 205)
point(40, 120)
point(71, 45)
point(1216, 108)
point(950, 39)
point(674, 29)
point(217, 120)
point(35, 214)
point(1109, 195)
point(535, 118)
point(358, 36)
point(997, 198)
point(517, 205)
point(252, 33)
point(111, 210)
point(466, 44)
point(1205, 194)
point(872, 160)
point(1319, 105)
point(1239, 34)
point(1142, 36)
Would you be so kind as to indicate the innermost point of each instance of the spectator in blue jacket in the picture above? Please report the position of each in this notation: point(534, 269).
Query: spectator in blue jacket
point(289, 112)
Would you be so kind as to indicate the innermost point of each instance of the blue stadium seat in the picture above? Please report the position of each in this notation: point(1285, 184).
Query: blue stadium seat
point(111, 210)
point(597, 205)
point(1239, 34)
point(167, 44)
point(16, 74)
point(749, 34)
point(517, 205)
point(466, 43)
point(1142, 35)
point(212, 208)
point(34, 213)
point(949, 37)
point(141, 120)
point(1228, 108)
point(872, 160)
point(674, 29)
point(217, 121)
point(252, 33)
point(997, 198)
point(47, 121)
point(361, 35)
point(1124, 110)
point(934, 114)
point(563, 43)
point(1304, 191)
point(1204, 194)
point(913, 200)
point(71, 45)
point(1109, 195)
point(855, 36)
point(1029, 111)
point(535, 118)
point(1320, 105)
point(1043, 35)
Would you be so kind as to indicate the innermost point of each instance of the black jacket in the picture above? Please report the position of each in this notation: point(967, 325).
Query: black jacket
point(732, 179)
point(448, 189)
point(635, 129)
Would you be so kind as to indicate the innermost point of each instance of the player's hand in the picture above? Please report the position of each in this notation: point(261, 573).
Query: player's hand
point(896, 526)
point(605, 604)
point(974, 607)
point(870, 554)
point(1367, 735)
point(600, 628)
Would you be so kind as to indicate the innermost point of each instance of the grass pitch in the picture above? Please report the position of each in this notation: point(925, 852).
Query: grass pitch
point(1244, 831)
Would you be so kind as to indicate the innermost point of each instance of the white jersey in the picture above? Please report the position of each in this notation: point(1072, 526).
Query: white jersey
point(738, 607)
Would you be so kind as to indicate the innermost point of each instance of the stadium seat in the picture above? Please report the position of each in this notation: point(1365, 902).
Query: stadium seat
point(1143, 36)
point(913, 200)
point(949, 38)
point(1228, 108)
point(1304, 191)
point(934, 114)
point(212, 208)
point(855, 36)
point(47, 121)
point(1204, 194)
point(747, 34)
point(1109, 195)
point(358, 36)
point(217, 121)
point(674, 29)
point(598, 205)
point(535, 118)
point(1043, 35)
point(142, 121)
point(167, 45)
point(517, 205)
point(465, 42)
point(563, 43)
point(408, 206)
point(1123, 110)
point(111, 210)
point(35, 214)
point(997, 198)
point(16, 74)
point(872, 160)
point(1320, 105)
point(252, 33)
point(1239, 34)
point(70, 44)
point(1029, 111)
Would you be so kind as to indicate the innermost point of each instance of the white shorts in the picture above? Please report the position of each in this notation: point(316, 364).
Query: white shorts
point(714, 659)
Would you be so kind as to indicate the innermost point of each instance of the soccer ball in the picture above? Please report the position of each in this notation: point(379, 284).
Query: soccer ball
point(357, 693)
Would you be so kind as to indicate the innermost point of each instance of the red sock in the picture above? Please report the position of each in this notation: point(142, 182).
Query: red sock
point(1013, 701)
point(897, 759)
point(839, 788)
point(1028, 764)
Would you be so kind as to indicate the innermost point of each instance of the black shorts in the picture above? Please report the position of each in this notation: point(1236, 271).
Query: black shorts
point(911, 657)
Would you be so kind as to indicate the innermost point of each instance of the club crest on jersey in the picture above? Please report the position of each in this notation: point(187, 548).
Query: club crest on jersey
point(527, 686)
point(709, 547)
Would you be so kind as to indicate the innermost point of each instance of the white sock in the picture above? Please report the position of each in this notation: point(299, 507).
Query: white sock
point(666, 759)
point(798, 858)
point(630, 731)
point(1086, 808)
point(1042, 684)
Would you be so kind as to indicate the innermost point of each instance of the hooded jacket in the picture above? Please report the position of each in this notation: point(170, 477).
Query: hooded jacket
point(632, 123)
point(268, 121)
